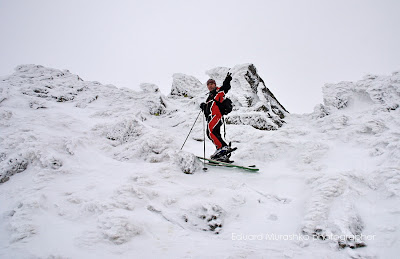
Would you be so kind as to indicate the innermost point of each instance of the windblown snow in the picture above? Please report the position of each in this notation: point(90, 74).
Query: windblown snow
point(94, 171)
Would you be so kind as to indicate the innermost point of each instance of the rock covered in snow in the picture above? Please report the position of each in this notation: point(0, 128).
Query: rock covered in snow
point(12, 166)
point(254, 103)
point(187, 162)
point(186, 86)
point(33, 112)
point(41, 83)
point(383, 91)
point(365, 111)
point(155, 100)
point(149, 88)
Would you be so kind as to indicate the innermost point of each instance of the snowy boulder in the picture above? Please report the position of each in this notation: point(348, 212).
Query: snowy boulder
point(157, 106)
point(187, 162)
point(153, 99)
point(149, 88)
point(49, 84)
point(44, 85)
point(186, 86)
point(320, 111)
point(254, 103)
point(12, 166)
point(382, 91)
point(365, 111)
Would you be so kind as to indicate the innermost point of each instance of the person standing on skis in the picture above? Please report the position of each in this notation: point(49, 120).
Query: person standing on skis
point(215, 119)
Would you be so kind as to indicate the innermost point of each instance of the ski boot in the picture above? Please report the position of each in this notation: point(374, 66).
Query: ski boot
point(223, 154)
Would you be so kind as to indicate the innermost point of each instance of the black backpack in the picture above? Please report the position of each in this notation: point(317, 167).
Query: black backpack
point(226, 106)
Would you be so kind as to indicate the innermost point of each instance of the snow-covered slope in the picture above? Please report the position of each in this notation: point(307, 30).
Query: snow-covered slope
point(93, 171)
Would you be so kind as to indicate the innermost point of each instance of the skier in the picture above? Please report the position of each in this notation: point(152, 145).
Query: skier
point(215, 120)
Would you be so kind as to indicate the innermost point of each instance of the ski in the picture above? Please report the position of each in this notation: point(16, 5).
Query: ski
point(219, 163)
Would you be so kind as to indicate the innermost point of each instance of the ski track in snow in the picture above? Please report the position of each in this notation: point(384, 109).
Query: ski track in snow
point(94, 171)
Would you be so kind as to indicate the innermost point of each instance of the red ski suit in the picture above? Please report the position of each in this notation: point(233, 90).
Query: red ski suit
point(214, 117)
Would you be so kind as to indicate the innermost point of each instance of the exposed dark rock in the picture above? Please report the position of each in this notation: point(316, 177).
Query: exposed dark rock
point(206, 218)
point(13, 166)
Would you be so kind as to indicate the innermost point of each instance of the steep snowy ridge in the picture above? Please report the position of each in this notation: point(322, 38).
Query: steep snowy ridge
point(93, 171)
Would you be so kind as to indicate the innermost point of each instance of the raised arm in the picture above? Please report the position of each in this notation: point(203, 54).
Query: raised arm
point(226, 85)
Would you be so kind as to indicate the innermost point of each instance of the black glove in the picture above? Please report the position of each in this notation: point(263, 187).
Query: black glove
point(228, 77)
point(203, 106)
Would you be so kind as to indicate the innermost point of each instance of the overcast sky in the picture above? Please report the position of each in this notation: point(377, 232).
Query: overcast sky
point(297, 46)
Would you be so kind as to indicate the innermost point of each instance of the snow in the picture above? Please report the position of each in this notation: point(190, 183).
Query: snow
point(94, 171)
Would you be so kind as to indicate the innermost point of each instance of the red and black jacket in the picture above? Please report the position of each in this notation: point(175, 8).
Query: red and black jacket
point(214, 96)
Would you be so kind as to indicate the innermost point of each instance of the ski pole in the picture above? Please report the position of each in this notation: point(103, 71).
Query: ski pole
point(191, 129)
point(204, 145)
